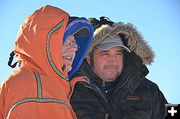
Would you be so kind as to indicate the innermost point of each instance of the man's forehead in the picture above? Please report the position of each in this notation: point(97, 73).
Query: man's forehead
point(115, 48)
point(71, 36)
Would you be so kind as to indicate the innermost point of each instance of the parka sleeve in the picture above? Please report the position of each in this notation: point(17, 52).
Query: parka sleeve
point(159, 102)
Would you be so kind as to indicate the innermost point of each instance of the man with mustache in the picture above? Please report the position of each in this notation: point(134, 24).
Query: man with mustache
point(116, 86)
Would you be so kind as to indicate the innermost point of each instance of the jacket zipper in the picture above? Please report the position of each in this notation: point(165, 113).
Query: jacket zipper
point(70, 92)
point(96, 89)
point(128, 77)
point(99, 92)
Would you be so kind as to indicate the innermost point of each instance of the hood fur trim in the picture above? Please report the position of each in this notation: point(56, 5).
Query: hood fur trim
point(134, 39)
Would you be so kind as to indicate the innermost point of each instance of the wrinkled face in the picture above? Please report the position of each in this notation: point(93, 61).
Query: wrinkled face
point(108, 64)
point(68, 51)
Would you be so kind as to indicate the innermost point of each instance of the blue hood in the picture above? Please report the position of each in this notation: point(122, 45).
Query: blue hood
point(83, 32)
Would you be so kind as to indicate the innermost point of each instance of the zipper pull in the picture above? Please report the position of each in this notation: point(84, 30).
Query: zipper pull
point(103, 84)
point(106, 115)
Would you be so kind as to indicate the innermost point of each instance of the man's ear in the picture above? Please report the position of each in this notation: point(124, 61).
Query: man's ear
point(88, 59)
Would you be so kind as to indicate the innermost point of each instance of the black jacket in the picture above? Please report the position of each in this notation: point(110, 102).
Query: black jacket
point(131, 96)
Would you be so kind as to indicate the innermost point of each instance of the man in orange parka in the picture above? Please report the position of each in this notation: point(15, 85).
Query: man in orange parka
point(50, 46)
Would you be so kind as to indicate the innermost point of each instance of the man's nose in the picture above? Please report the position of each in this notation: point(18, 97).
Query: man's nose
point(113, 60)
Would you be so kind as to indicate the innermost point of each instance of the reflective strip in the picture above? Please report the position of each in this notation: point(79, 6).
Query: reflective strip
point(38, 100)
point(49, 54)
point(39, 85)
point(74, 22)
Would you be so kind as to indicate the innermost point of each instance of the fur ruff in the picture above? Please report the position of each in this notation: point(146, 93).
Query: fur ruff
point(135, 41)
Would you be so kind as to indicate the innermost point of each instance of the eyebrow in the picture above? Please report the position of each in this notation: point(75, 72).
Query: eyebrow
point(120, 51)
point(104, 51)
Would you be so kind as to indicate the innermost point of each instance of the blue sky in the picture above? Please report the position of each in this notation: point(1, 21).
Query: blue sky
point(157, 20)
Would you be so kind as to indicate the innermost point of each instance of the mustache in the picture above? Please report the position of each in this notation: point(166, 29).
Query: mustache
point(115, 67)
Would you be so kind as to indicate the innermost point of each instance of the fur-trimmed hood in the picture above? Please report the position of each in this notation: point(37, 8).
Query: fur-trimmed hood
point(133, 39)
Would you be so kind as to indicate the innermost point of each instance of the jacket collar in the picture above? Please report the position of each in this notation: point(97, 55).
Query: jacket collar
point(130, 78)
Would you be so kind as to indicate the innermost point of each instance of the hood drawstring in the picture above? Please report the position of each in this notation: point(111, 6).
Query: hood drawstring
point(11, 59)
point(63, 67)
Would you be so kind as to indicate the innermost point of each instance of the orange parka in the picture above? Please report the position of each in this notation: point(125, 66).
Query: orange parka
point(40, 87)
